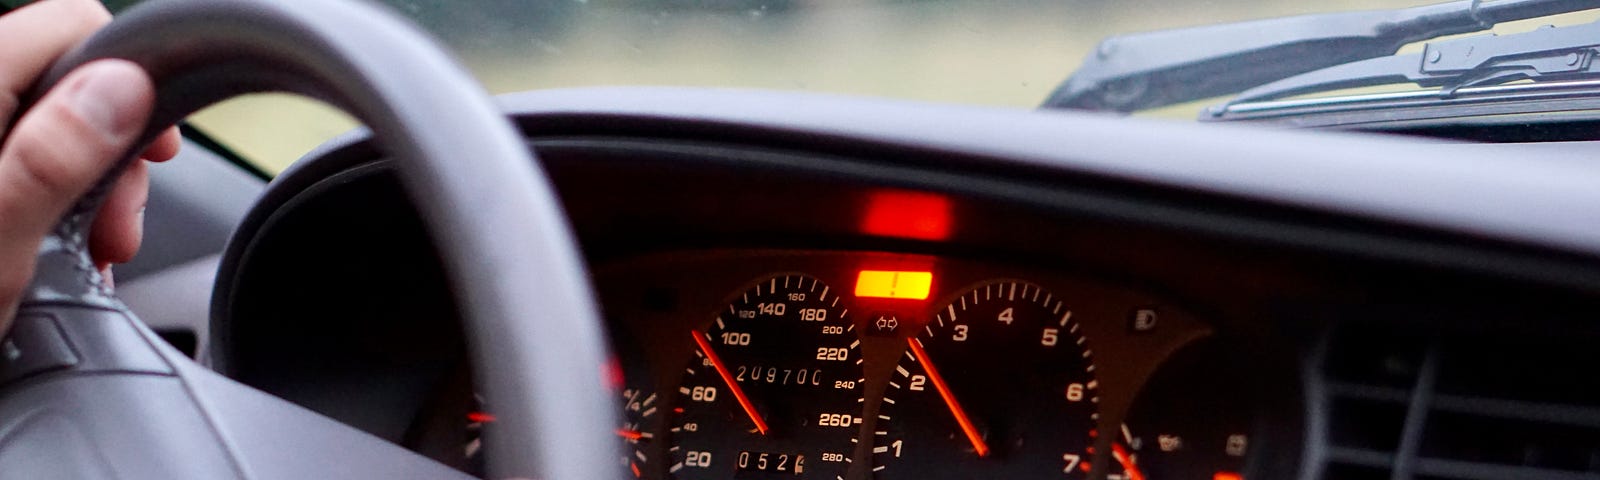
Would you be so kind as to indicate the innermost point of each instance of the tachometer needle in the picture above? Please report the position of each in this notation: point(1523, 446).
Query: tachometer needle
point(722, 370)
point(1129, 469)
point(630, 434)
point(967, 428)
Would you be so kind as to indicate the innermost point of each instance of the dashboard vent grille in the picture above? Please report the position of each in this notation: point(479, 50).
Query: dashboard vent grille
point(1416, 406)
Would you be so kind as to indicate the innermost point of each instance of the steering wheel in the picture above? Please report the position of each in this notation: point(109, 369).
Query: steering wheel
point(88, 390)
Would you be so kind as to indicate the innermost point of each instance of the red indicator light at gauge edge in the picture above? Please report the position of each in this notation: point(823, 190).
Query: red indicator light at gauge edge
point(894, 284)
point(480, 417)
point(611, 374)
point(1227, 476)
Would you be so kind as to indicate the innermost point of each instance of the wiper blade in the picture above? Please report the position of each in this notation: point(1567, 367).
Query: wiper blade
point(1149, 70)
point(1547, 54)
point(1506, 103)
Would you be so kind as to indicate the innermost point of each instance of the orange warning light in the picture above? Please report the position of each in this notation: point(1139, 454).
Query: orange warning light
point(890, 284)
point(1227, 476)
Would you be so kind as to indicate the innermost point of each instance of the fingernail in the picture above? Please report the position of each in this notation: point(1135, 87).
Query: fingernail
point(106, 276)
point(105, 97)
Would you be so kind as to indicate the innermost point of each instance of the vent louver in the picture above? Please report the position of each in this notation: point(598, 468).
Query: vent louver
point(1409, 406)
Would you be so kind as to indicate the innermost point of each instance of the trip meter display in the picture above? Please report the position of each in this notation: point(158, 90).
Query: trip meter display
point(771, 390)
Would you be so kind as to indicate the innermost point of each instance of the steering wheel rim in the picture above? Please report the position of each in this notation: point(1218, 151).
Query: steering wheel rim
point(531, 321)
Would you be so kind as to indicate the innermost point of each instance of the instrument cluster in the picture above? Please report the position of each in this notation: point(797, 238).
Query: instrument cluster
point(861, 365)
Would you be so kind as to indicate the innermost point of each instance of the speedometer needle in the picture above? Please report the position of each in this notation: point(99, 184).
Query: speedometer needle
point(949, 398)
point(722, 370)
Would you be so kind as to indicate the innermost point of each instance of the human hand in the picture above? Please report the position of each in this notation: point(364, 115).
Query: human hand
point(57, 150)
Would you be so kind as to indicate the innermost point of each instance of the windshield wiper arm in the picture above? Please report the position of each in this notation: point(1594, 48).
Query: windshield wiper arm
point(1148, 70)
point(1547, 54)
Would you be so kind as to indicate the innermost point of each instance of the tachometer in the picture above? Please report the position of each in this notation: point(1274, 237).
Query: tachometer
point(999, 384)
point(772, 388)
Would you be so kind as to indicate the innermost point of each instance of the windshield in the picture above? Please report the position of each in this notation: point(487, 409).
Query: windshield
point(985, 52)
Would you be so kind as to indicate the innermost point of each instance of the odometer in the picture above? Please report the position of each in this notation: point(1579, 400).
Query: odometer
point(771, 391)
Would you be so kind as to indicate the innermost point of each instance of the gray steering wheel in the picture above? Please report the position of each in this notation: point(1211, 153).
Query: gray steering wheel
point(532, 326)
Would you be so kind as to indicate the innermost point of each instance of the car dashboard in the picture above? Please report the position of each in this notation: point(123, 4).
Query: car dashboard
point(840, 376)
point(803, 286)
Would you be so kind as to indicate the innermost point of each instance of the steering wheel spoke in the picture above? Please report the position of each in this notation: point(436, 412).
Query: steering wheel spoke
point(91, 391)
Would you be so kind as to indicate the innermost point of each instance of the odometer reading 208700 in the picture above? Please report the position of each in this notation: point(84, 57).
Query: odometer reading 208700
point(771, 390)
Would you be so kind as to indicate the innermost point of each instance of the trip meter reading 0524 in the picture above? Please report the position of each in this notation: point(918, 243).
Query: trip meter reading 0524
point(771, 390)
point(998, 384)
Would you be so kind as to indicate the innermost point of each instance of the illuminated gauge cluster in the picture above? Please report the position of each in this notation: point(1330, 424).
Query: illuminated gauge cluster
point(886, 374)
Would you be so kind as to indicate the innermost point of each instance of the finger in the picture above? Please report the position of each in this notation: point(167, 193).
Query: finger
point(56, 153)
point(164, 147)
point(119, 227)
point(34, 36)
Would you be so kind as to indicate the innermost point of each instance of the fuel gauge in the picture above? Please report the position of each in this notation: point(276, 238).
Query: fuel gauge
point(641, 417)
point(642, 407)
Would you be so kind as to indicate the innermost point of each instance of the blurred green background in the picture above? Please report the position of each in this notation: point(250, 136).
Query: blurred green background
point(1009, 53)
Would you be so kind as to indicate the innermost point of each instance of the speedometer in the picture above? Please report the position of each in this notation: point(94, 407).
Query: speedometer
point(998, 384)
point(772, 388)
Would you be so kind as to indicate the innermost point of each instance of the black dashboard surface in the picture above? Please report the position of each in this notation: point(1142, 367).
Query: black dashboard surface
point(1334, 285)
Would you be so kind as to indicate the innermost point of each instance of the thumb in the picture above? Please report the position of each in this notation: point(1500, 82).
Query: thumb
point(56, 153)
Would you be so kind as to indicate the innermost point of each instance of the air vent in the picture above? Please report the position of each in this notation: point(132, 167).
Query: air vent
point(1401, 406)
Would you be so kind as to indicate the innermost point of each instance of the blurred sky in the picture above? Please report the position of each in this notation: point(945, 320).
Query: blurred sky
point(988, 52)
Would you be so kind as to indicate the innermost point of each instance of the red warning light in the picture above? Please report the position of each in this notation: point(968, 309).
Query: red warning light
point(902, 214)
